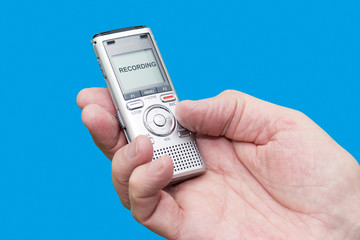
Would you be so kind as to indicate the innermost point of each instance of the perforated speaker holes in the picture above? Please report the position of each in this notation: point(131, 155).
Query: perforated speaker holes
point(184, 155)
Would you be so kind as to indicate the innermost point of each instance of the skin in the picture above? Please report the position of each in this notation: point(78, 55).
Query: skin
point(272, 173)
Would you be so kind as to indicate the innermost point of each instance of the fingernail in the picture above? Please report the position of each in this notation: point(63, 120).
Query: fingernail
point(157, 164)
point(130, 151)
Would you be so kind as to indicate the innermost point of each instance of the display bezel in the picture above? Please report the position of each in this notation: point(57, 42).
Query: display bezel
point(130, 44)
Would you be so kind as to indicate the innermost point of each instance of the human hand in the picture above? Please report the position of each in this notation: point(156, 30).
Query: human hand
point(272, 173)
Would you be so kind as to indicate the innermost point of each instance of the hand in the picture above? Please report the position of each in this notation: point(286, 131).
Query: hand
point(272, 173)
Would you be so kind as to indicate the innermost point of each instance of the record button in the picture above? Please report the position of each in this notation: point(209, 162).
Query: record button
point(168, 98)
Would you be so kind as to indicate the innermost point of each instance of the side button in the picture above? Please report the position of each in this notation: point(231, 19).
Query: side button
point(126, 135)
point(103, 73)
point(120, 120)
point(102, 70)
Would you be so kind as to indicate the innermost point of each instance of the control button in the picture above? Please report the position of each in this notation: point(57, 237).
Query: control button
point(132, 95)
point(159, 120)
point(148, 91)
point(119, 118)
point(103, 72)
point(184, 133)
point(168, 98)
point(152, 140)
point(163, 89)
point(126, 135)
point(135, 104)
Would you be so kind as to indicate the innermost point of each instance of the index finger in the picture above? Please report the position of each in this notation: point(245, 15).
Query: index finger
point(99, 117)
point(99, 96)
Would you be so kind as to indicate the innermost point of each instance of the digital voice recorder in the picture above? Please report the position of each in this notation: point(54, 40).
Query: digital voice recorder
point(144, 96)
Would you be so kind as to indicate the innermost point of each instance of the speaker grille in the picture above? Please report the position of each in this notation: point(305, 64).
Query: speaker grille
point(185, 156)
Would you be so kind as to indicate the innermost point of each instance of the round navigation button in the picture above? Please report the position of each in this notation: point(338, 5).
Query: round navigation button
point(159, 120)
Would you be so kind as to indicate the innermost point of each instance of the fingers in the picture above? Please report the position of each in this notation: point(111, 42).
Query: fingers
point(150, 205)
point(104, 129)
point(99, 117)
point(99, 96)
point(235, 115)
point(139, 183)
point(136, 153)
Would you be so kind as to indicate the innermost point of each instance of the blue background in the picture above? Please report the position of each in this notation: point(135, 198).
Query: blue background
point(55, 184)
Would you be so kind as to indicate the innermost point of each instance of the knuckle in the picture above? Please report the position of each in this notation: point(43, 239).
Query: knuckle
point(293, 119)
point(229, 92)
point(125, 202)
point(300, 114)
point(135, 215)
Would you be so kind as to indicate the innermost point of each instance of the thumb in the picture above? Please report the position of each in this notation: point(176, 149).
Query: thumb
point(233, 114)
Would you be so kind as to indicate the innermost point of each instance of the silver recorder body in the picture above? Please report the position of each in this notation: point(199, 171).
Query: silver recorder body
point(147, 108)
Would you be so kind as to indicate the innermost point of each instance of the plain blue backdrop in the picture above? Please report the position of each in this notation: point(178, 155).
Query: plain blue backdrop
point(55, 184)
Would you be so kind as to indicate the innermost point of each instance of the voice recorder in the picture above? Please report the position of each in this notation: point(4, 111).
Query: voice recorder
point(144, 96)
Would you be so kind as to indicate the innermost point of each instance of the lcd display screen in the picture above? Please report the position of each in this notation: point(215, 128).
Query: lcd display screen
point(137, 69)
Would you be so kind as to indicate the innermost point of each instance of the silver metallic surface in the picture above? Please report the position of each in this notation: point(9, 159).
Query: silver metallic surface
point(132, 120)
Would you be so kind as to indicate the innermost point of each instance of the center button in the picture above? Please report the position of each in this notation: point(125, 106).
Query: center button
point(159, 120)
